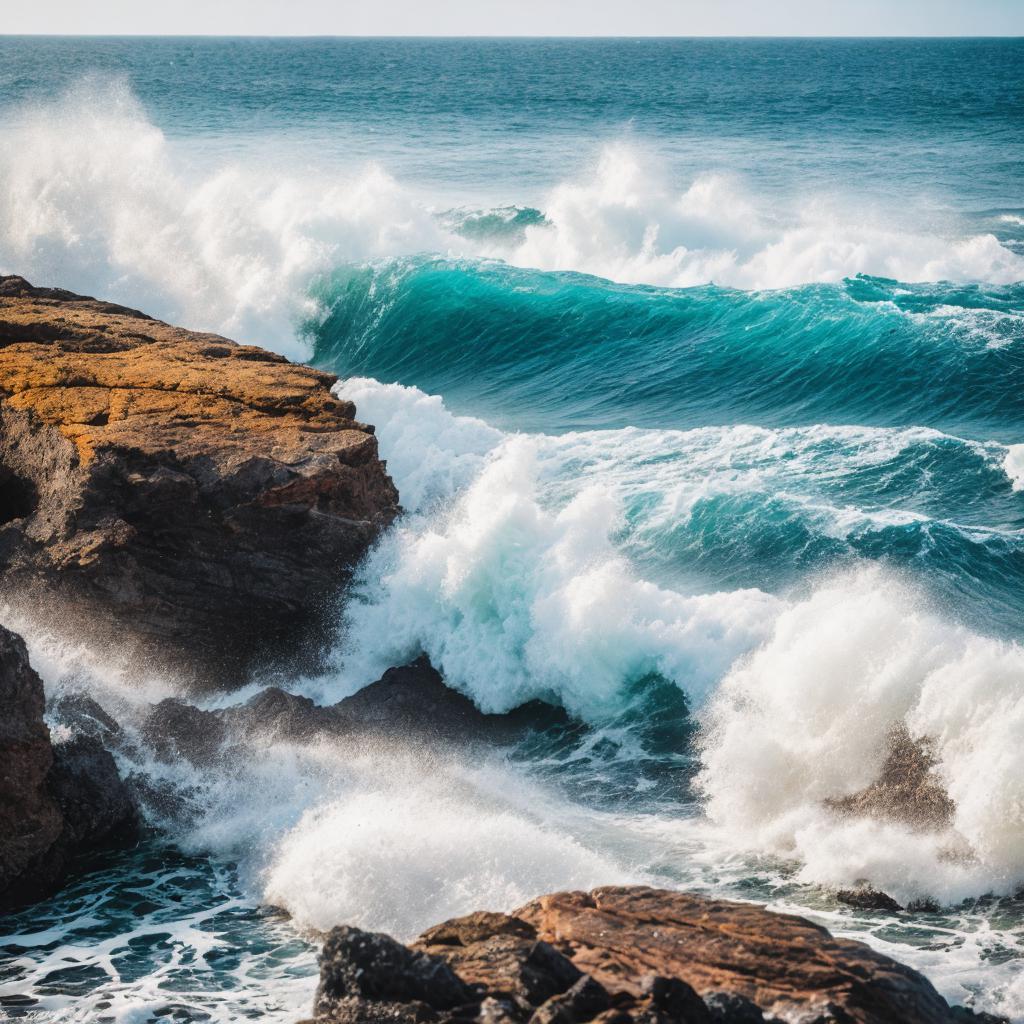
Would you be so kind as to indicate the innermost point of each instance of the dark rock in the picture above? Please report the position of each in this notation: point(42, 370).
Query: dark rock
point(866, 898)
point(198, 503)
point(730, 1008)
point(30, 817)
point(414, 699)
point(176, 728)
point(674, 999)
point(582, 1002)
point(97, 807)
point(84, 716)
point(358, 965)
point(56, 803)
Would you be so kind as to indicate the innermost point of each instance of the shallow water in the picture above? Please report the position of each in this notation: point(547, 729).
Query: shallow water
point(698, 365)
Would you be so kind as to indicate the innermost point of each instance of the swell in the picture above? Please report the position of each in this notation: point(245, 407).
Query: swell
point(557, 351)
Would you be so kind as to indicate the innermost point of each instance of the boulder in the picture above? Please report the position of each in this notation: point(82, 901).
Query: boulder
point(57, 801)
point(622, 955)
point(193, 502)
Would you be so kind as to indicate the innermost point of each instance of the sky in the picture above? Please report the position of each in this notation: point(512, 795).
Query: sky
point(518, 17)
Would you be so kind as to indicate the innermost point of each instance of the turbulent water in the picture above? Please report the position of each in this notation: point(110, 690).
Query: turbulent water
point(700, 369)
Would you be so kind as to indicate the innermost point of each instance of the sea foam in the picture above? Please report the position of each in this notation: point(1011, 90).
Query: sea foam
point(96, 198)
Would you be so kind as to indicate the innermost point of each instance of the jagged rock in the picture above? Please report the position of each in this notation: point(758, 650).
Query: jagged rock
point(93, 798)
point(583, 1001)
point(411, 702)
point(730, 1008)
point(192, 500)
point(907, 790)
point(176, 728)
point(624, 955)
point(360, 971)
point(56, 802)
point(85, 716)
point(790, 968)
point(30, 817)
point(867, 898)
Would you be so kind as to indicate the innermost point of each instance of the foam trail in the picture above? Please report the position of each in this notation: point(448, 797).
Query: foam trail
point(1014, 466)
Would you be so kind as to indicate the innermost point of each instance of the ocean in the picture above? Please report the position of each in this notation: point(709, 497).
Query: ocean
point(699, 367)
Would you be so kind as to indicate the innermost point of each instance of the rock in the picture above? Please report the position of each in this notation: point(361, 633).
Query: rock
point(192, 500)
point(623, 955)
point(56, 802)
point(365, 976)
point(92, 796)
point(867, 898)
point(790, 968)
point(583, 1001)
point(411, 702)
point(730, 1008)
point(30, 817)
point(414, 699)
point(176, 728)
point(674, 999)
point(907, 789)
point(84, 716)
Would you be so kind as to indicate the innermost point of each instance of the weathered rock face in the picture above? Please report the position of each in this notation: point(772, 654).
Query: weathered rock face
point(617, 956)
point(174, 493)
point(30, 817)
point(55, 801)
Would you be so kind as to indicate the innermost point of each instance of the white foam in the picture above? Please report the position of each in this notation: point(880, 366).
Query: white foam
point(1014, 465)
point(628, 223)
point(421, 846)
point(96, 199)
point(805, 720)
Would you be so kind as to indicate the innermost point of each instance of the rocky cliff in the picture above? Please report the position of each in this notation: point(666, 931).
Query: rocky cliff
point(56, 801)
point(621, 955)
point(194, 501)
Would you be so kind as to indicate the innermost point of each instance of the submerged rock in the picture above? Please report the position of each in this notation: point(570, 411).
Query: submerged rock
point(57, 801)
point(618, 956)
point(192, 500)
point(867, 898)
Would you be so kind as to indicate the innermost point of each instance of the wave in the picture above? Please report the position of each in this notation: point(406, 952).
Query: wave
point(559, 351)
point(96, 198)
point(807, 720)
point(518, 587)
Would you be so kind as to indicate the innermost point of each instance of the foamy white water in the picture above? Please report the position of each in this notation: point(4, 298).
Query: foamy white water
point(95, 198)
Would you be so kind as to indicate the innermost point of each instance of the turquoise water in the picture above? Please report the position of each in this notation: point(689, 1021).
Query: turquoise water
point(699, 367)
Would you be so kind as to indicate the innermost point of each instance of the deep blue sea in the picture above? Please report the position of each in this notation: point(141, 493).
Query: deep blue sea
point(699, 366)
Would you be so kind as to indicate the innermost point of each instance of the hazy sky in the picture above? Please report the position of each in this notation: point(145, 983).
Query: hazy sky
point(519, 17)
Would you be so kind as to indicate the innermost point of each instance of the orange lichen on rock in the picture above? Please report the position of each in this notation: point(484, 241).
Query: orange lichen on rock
point(177, 484)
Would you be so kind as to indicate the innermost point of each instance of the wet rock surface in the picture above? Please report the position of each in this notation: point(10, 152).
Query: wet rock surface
point(173, 493)
point(620, 955)
point(57, 801)
point(411, 703)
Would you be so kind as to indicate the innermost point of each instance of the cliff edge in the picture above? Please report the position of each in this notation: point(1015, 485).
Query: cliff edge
point(194, 501)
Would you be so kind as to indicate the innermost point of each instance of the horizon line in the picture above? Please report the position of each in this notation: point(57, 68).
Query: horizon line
point(496, 36)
